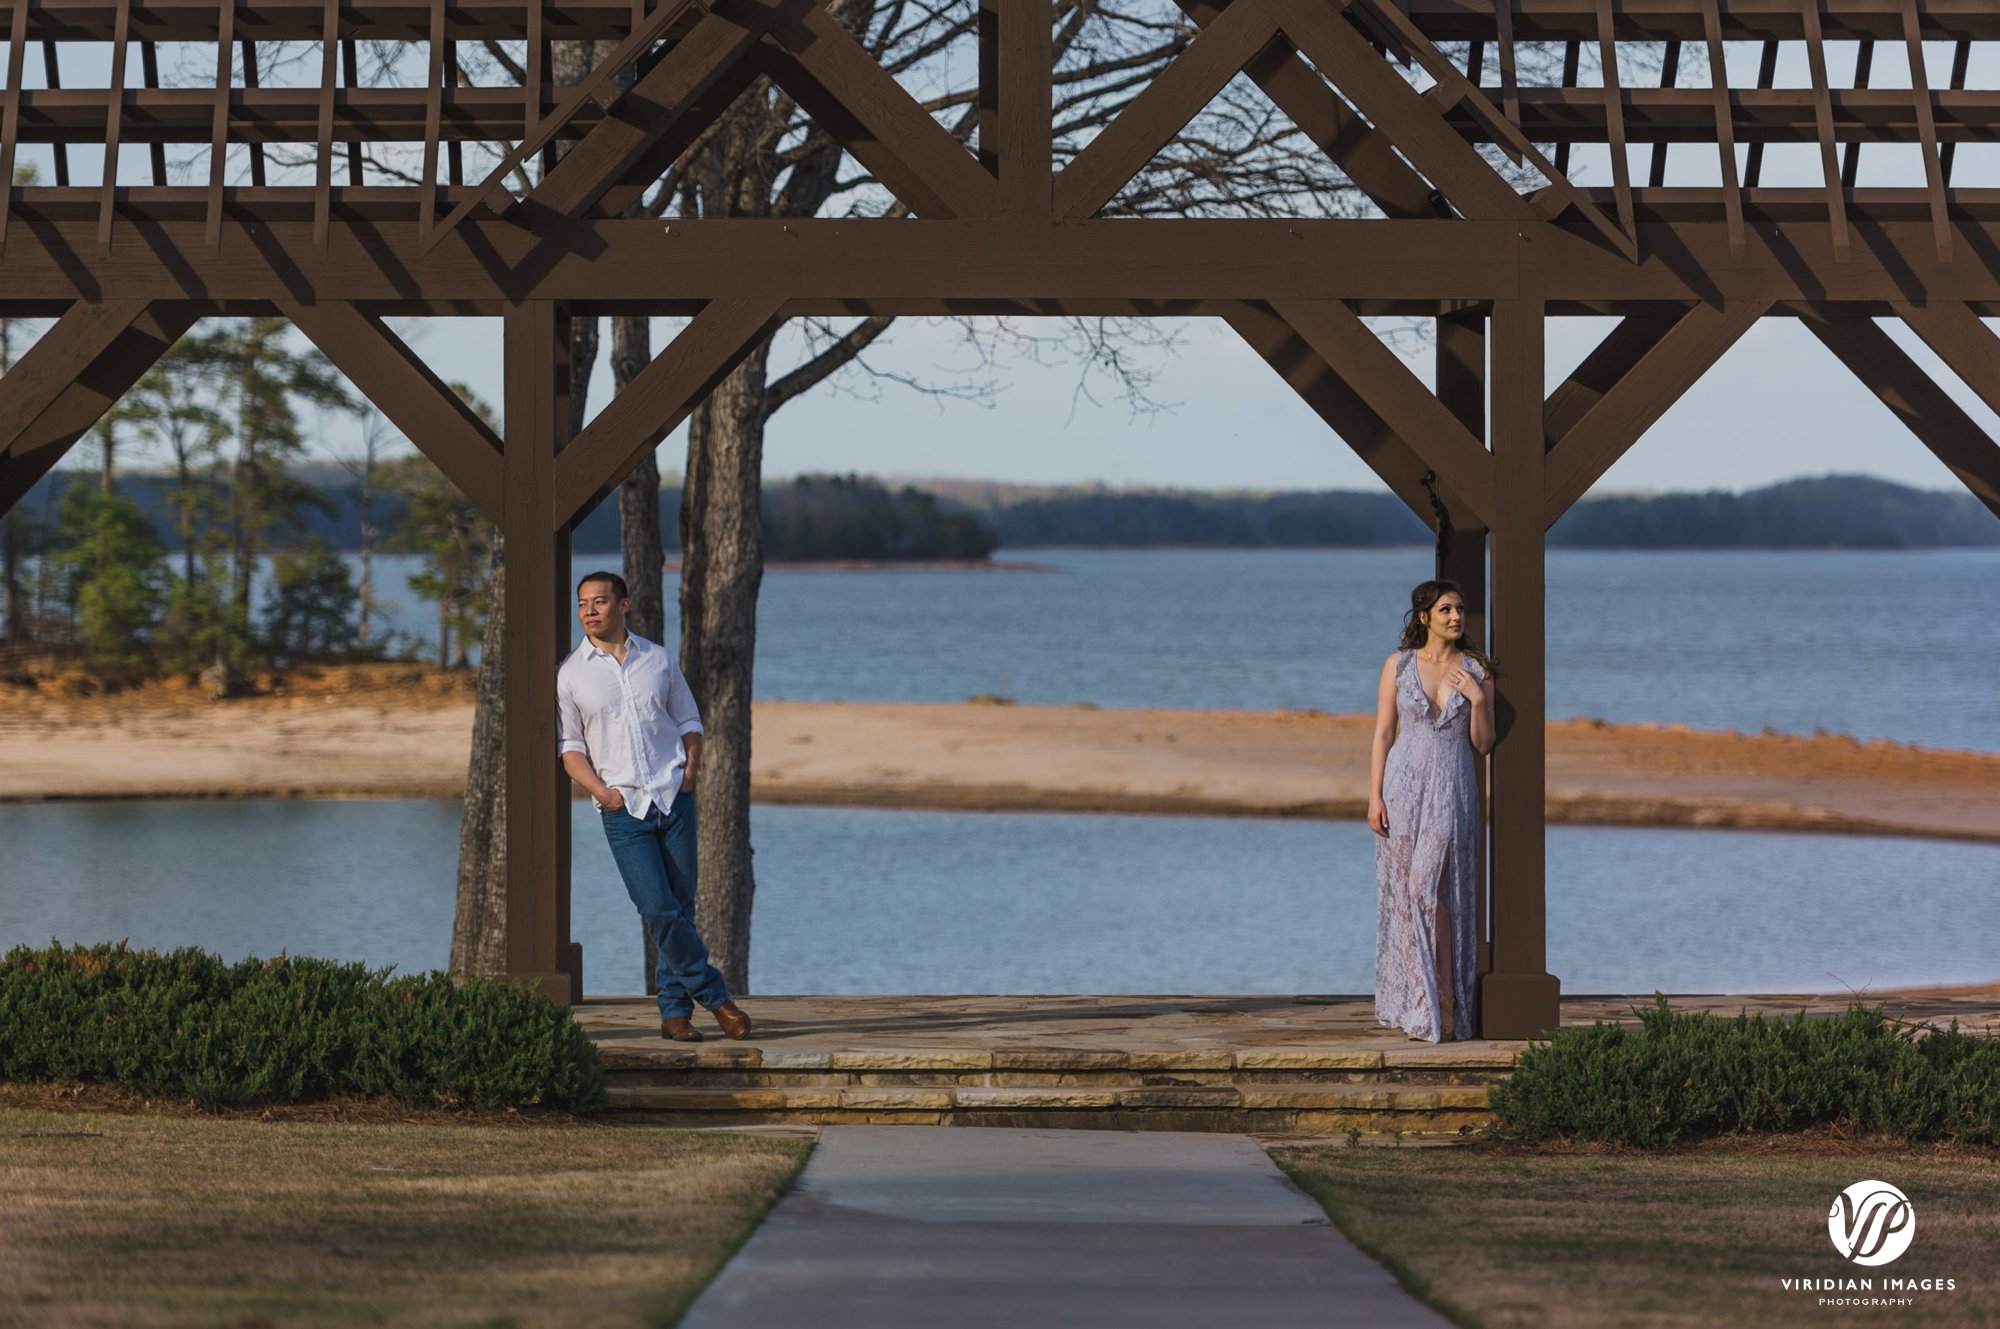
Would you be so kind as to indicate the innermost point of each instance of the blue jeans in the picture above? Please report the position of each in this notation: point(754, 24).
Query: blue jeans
point(656, 857)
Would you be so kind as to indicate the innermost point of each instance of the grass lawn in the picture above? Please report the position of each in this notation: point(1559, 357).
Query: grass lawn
point(1496, 1236)
point(160, 1220)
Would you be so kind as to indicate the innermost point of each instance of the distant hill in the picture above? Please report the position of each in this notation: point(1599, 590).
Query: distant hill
point(1827, 512)
point(852, 517)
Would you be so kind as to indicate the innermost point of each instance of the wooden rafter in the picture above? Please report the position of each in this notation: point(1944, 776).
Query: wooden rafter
point(1188, 83)
point(871, 115)
point(1357, 148)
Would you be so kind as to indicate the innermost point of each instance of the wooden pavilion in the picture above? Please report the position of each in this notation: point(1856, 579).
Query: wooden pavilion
point(1473, 221)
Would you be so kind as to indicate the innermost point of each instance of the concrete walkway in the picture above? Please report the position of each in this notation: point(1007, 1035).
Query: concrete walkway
point(901, 1227)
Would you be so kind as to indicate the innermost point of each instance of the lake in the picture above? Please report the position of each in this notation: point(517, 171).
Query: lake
point(867, 901)
point(1878, 645)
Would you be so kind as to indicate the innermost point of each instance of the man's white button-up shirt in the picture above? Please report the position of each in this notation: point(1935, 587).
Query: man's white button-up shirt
point(628, 719)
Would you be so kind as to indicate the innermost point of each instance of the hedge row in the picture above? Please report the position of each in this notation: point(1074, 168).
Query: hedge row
point(1684, 1075)
point(286, 1030)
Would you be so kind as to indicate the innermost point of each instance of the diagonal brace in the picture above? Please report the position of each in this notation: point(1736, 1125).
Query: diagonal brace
point(1915, 398)
point(75, 373)
point(1335, 401)
point(1381, 379)
point(409, 395)
point(653, 404)
point(1609, 427)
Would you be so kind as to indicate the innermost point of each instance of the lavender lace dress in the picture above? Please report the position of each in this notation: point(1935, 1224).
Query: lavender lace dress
point(1432, 859)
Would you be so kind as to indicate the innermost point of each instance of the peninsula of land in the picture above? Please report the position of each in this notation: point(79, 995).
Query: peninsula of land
point(399, 731)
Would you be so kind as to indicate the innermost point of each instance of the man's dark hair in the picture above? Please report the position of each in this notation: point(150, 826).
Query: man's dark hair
point(617, 583)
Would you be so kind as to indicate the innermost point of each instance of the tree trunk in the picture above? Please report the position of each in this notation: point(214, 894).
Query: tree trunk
point(479, 923)
point(721, 570)
point(639, 549)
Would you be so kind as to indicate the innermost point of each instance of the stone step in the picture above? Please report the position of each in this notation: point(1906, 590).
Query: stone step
point(702, 1077)
point(1295, 1109)
point(719, 1055)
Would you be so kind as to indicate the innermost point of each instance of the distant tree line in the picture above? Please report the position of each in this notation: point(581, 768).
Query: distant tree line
point(151, 571)
point(812, 518)
point(1828, 512)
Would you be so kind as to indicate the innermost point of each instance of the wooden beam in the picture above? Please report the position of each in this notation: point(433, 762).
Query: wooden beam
point(115, 121)
point(840, 85)
point(409, 395)
point(1151, 120)
point(536, 591)
point(1379, 376)
point(1829, 153)
point(1604, 432)
point(329, 83)
point(654, 403)
point(1963, 341)
point(1017, 103)
point(1414, 266)
point(1920, 102)
point(71, 376)
point(1519, 998)
point(1614, 117)
point(1725, 126)
point(1915, 398)
point(10, 109)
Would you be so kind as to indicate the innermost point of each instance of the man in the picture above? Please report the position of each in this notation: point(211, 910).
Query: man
point(631, 736)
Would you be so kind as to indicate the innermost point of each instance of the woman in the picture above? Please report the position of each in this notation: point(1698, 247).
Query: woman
point(1433, 710)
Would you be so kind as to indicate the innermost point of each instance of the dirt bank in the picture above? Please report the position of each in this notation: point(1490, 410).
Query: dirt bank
point(398, 731)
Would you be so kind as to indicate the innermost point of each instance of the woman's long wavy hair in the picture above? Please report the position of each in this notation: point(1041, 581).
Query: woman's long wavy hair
point(1415, 634)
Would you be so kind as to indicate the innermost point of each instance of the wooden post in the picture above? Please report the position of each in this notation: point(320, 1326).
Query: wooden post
point(536, 358)
point(1518, 998)
point(1461, 386)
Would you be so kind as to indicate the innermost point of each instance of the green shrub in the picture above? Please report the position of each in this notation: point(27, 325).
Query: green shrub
point(1683, 1075)
point(286, 1030)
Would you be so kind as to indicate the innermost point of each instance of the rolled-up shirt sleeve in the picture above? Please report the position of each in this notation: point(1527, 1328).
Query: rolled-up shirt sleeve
point(680, 702)
point(569, 720)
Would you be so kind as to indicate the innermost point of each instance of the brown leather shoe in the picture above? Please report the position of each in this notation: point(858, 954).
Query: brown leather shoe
point(735, 1024)
point(680, 1029)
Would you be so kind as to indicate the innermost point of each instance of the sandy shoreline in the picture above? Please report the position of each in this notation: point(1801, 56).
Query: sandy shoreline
point(391, 731)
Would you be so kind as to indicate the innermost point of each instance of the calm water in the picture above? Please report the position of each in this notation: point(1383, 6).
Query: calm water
point(1878, 645)
point(911, 902)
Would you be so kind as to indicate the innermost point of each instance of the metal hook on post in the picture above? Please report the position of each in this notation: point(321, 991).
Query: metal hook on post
point(1429, 483)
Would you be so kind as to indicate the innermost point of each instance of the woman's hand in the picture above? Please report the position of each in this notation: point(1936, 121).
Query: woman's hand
point(1378, 817)
point(1465, 685)
point(611, 800)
